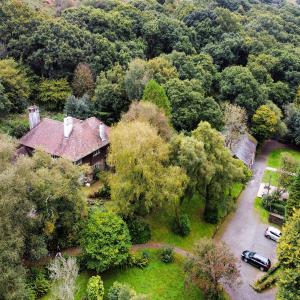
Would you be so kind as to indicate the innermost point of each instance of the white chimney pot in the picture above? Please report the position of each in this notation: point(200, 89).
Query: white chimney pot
point(34, 116)
point(102, 132)
point(68, 126)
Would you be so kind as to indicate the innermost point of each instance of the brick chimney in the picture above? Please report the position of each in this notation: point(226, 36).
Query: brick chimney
point(34, 116)
point(68, 126)
point(102, 132)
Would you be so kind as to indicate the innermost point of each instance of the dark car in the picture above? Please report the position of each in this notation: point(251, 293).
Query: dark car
point(256, 260)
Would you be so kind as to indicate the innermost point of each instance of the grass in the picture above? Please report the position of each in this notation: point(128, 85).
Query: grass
point(274, 176)
point(264, 215)
point(274, 157)
point(160, 224)
point(158, 280)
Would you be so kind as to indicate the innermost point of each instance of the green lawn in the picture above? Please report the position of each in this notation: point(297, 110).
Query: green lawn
point(264, 215)
point(274, 157)
point(160, 223)
point(158, 280)
point(274, 176)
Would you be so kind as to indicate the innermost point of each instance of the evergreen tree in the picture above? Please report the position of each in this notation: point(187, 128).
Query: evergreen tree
point(156, 94)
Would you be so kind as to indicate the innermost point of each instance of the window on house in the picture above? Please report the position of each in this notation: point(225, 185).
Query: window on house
point(97, 152)
point(96, 166)
point(54, 156)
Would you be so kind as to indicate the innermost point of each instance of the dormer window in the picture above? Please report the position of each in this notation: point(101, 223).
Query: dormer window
point(97, 152)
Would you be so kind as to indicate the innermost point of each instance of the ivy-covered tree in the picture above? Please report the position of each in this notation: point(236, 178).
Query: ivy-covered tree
point(105, 241)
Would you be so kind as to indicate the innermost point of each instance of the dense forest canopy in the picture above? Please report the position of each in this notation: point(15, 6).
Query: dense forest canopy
point(202, 53)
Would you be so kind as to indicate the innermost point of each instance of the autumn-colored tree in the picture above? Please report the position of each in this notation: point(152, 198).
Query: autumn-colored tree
point(235, 120)
point(83, 80)
point(289, 259)
point(264, 123)
point(156, 94)
point(210, 265)
point(148, 112)
point(142, 180)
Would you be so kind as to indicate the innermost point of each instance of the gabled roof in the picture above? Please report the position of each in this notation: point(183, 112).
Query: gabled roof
point(245, 148)
point(48, 135)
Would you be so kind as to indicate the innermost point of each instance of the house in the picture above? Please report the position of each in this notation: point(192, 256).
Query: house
point(245, 149)
point(80, 141)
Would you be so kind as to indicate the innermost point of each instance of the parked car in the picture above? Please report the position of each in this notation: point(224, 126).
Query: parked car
point(273, 233)
point(256, 260)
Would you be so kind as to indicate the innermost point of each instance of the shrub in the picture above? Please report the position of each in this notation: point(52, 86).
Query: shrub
point(167, 255)
point(139, 230)
point(104, 191)
point(95, 288)
point(16, 127)
point(181, 225)
point(39, 282)
point(137, 261)
point(120, 291)
point(211, 215)
point(105, 241)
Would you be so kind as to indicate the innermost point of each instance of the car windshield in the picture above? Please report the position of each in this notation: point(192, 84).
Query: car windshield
point(251, 254)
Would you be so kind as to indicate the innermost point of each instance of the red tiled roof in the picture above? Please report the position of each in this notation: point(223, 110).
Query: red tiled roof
point(48, 135)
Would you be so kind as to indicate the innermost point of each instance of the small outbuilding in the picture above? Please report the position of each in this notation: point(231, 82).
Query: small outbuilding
point(245, 149)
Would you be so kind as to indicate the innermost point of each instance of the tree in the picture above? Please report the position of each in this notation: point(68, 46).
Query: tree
point(54, 93)
point(105, 241)
point(238, 85)
point(15, 86)
point(5, 104)
point(142, 180)
point(161, 70)
point(95, 288)
point(235, 120)
point(188, 153)
point(289, 259)
point(288, 168)
point(189, 105)
point(222, 171)
point(293, 202)
point(83, 81)
point(264, 123)
point(156, 94)
point(136, 78)
point(280, 128)
point(64, 273)
point(211, 265)
point(80, 108)
point(292, 120)
point(110, 95)
point(148, 112)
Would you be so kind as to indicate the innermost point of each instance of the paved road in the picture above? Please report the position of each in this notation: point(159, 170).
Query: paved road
point(244, 230)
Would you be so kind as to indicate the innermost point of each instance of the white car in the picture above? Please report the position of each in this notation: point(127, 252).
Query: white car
point(273, 233)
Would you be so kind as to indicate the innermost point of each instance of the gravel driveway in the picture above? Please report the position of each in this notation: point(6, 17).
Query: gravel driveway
point(244, 230)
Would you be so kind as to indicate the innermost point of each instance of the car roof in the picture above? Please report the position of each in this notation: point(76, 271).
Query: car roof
point(261, 258)
point(274, 230)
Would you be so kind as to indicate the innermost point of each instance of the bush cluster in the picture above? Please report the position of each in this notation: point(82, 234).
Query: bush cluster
point(139, 230)
point(39, 283)
point(137, 261)
point(167, 255)
point(95, 288)
point(273, 204)
point(120, 291)
point(181, 225)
